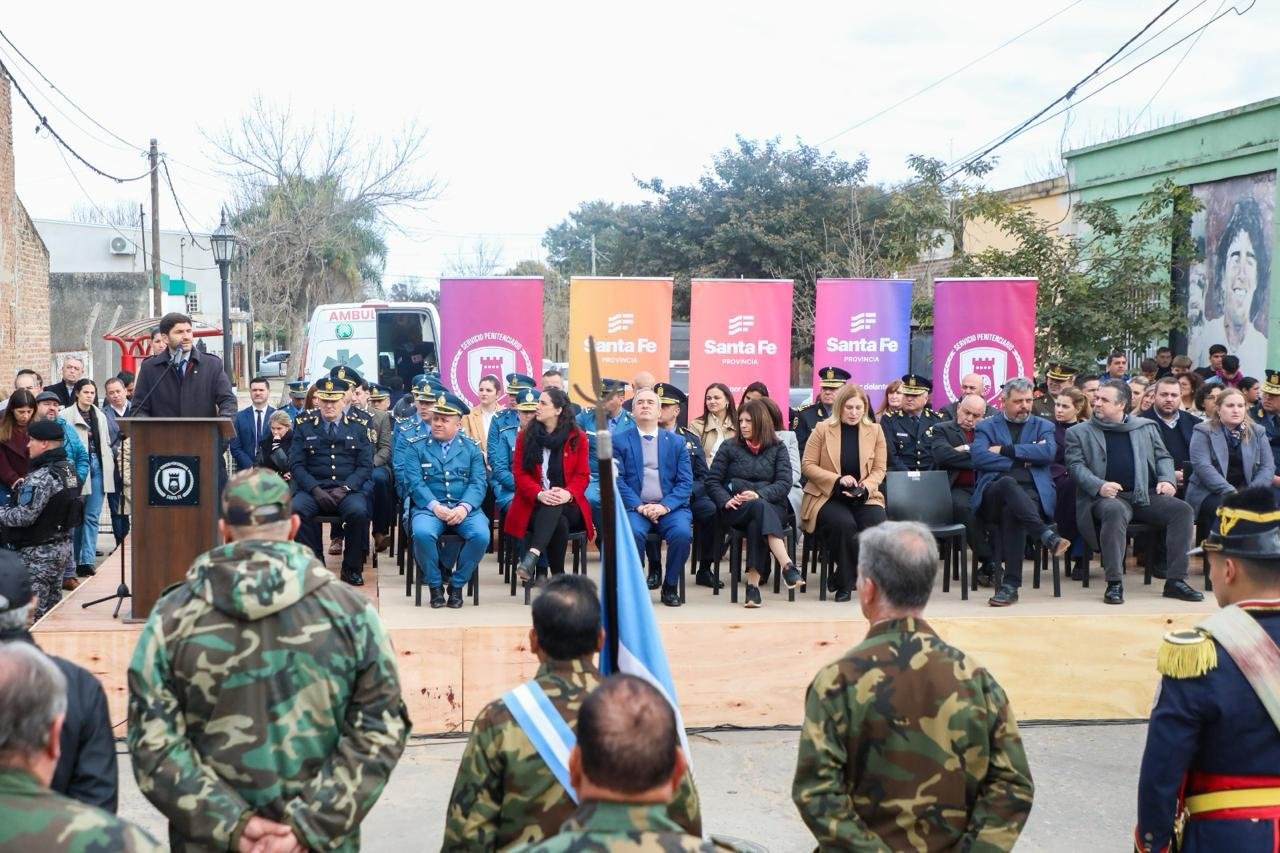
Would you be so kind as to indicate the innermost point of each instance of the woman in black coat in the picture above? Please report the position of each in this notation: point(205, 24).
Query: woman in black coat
point(749, 481)
point(273, 450)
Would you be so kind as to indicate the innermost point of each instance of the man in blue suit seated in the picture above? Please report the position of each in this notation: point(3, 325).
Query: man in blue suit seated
point(446, 479)
point(612, 393)
point(1011, 453)
point(655, 480)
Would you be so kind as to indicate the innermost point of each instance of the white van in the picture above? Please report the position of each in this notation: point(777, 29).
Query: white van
point(388, 342)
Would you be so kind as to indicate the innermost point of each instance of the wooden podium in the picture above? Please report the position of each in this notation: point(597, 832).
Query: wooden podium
point(175, 485)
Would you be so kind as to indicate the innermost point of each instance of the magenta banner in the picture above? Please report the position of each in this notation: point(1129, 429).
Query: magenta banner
point(739, 333)
point(489, 326)
point(983, 326)
point(864, 326)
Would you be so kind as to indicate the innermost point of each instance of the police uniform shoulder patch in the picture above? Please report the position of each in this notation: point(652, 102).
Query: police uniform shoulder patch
point(1187, 654)
point(25, 496)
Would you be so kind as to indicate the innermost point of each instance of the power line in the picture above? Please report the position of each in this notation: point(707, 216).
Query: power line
point(1173, 71)
point(44, 122)
point(112, 225)
point(67, 97)
point(169, 180)
point(944, 79)
point(1067, 96)
point(1032, 123)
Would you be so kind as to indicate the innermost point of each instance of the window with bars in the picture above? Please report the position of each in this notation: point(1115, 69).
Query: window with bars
point(193, 303)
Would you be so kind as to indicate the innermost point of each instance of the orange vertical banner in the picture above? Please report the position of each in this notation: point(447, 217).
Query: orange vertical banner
point(631, 321)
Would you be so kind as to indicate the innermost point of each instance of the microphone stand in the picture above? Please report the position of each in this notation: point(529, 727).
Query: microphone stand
point(122, 591)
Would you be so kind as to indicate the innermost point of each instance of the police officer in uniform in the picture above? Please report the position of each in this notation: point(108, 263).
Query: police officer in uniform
point(43, 512)
point(445, 497)
point(352, 408)
point(616, 419)
point(830, 380)
point(1057, 378)
point(297, 398)
point(330, 461)
point(1267, 410)
point(905, 429)
point(1208, 778)
point(707, 531)
point(507, 417)
point(501, 474)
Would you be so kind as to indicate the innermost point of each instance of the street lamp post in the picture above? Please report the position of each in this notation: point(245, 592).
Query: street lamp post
point(224, 243)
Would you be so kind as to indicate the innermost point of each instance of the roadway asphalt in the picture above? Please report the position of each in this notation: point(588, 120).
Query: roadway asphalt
point(1086, 778)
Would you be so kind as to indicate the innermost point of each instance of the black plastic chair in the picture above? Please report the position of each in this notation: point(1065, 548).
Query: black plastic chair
point(925, 497)
point(577, 545)
point(737, 540)
point(1135, 532)
point(815, 555)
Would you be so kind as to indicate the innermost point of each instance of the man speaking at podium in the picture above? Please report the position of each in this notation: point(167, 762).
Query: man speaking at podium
point(180, 381)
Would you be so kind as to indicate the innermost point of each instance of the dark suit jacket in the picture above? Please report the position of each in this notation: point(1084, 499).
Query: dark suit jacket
point(947, 436)
point(675, 470)
point(204, 392)
point(244, 445)
point(1186, 425)
point(65, 397)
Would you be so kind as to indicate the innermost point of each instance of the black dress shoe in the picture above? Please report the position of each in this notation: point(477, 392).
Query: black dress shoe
point(455, 598)
point(843, 595)
point(437, 597)
point(85, 570)
point(705, 578)
point(1005, 596)
point(833, 584)
point(655, 578)
point(670, 596)
point(985, 576)
point(791, 576)
point(1182, 591)
point(1114, 593)
point(353, 578)
point(1078, 570)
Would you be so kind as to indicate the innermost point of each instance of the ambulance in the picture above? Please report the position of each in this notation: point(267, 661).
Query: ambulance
point(387, 342)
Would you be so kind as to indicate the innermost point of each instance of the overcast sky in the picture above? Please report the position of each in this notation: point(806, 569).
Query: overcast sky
point(531, 108)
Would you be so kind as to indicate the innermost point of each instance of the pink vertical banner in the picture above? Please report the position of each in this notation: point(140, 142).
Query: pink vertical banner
point(985, 326)
point(739, 333)
point(864, 326)
point(489, 326)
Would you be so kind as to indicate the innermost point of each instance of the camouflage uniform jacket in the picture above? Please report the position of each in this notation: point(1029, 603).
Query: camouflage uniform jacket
point(601, 827)
point(34, 818)
point(260, 685)
point(504, 793)
point(908, 745)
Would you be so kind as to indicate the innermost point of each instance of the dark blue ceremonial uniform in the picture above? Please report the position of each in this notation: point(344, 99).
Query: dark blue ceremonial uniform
point(909, 446)
point(701, 505)
point(332, 455)
point(1207, 733)
point(804, 421)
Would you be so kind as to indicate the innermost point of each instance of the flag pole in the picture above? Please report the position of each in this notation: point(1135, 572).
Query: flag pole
point(608, 521)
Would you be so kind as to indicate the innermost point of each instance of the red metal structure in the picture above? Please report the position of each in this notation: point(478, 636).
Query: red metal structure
point(134, 339)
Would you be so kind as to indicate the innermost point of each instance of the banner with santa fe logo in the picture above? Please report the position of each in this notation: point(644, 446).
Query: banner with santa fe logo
point(489, 326)
point(631, 321)
point(739, 333)
point(864, 326)
point(983, 326)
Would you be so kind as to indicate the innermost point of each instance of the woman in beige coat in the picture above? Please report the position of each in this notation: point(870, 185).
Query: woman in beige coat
point(476, 423)
point(843, 466)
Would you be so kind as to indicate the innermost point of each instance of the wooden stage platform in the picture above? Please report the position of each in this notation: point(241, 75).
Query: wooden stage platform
point(1071, 658)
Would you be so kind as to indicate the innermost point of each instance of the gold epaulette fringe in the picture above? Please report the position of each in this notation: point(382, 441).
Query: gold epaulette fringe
point(1186, 654)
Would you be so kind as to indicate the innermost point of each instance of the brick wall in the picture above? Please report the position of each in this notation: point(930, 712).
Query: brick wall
point(24, 271)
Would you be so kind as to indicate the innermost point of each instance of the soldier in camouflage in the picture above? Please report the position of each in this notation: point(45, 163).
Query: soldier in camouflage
point(44, 511)
point(263, 695)
point(907, 744)
point(625, 768)
point(33, 704)
point(504, 793)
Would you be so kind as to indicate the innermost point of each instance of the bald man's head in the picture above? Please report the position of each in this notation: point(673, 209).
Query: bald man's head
point(972, 383)
point(643, 379)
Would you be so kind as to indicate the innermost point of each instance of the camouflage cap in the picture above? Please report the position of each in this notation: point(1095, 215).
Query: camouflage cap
point(254, 497)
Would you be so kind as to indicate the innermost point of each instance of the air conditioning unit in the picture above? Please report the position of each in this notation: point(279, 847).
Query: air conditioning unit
point(121, 246)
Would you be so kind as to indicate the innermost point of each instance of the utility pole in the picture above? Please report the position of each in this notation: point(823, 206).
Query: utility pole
point(155, 230)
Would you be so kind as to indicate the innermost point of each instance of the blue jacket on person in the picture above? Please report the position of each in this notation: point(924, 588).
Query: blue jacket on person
point(675, 470)
point(76, 451)
point(502, 478)
point(244, 445)
point(1036, 447)
point(455, 477)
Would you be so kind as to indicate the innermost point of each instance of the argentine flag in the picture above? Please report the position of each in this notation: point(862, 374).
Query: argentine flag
point(640, 651)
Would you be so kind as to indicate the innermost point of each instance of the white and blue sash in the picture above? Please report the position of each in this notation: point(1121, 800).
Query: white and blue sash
point(545, 728)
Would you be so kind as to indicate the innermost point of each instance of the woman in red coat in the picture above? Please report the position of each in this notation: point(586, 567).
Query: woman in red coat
point(551, 473)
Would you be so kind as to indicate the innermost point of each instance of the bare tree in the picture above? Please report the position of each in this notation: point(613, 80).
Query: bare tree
point(313, 203)
point(483, 260)
point(121, 213)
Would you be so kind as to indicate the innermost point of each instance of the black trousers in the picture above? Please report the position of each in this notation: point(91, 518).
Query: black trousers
point(839, 523)
point(962, 512)
point(1017, 513)
point(758, 519)
point(549, 529)
point(708, 522)
point(354, 510)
